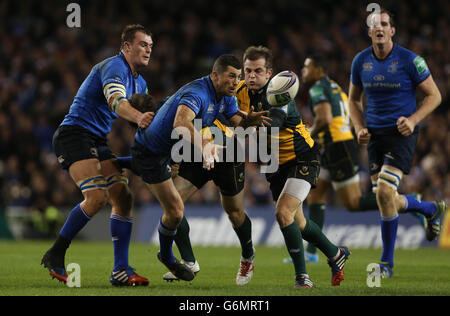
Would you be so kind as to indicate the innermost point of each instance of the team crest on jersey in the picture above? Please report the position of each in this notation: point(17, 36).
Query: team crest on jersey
point(210, 109)
point(304, 171)
point(367, 66)
point(393, 67)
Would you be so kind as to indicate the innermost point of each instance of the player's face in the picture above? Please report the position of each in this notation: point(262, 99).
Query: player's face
point(256, 74)
point(308, 71)
point(140, 49)
point(380, 30)
point(227, 81)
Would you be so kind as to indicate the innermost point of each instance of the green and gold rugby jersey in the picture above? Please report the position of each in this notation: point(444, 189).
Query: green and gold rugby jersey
point(326, 90)
point(294, 138)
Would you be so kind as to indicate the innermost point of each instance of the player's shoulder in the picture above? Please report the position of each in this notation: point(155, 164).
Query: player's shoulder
point(362, 55)
point(241, 87)
point(406, 54)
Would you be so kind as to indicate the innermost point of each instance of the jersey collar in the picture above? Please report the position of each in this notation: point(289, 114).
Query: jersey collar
point(128, 65)
point(394, 48)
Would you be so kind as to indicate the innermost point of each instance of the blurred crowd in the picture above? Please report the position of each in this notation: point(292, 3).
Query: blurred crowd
point(43, 62)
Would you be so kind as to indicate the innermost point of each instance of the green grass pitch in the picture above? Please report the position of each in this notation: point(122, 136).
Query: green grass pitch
point(425, 271)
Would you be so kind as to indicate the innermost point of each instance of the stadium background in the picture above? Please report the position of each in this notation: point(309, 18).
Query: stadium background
point(43, 62)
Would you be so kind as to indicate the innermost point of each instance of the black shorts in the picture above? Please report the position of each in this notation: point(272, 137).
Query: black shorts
point(341, 160)
point(306, 167)
point(153, 168)
point(227, 176)
point(72, 143)
point(388, 147)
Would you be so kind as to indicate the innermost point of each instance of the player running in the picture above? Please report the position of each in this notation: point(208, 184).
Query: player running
point(298, 159)
point(205, 98)
point(388, 75)
point(339, 159)
point(80, 145)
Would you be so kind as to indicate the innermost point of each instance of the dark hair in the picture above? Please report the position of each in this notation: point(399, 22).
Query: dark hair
point(389, 13)
point(256, 52)
point(223, 61)
point(319, 61)
point(129, 31)
point(143, 103)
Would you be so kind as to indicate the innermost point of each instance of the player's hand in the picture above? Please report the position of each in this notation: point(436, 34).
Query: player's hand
point(145, 119)
point(210, 153)
point(363, 136)
point(258, 118)
point(405, 126)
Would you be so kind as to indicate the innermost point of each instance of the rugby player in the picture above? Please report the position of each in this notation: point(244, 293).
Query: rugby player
point(339, 159)
point(388, 75)
point(205, 98)
point(80, 145)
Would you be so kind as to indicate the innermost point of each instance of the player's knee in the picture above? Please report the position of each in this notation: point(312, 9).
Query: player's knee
point(352, 204)
point(236, 217)
point(385, 194)
point(123, 200)
point(176, 212)
point(95, 200)
point(283, 215)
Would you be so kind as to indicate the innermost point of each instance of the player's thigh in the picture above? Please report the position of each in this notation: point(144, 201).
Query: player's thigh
point(120, 196)
point(184, 187)
point(168, 197)
point(319, 194)
point(350, 194)
point(87, 175)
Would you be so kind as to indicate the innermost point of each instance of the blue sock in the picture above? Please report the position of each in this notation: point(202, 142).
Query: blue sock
point(166, 236)
point(388, 235)
point(121, 234)
point(75, 222)
point(414, 205)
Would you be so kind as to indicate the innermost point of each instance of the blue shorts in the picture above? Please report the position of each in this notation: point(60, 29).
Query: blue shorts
point(388, 147)
point(153, 168)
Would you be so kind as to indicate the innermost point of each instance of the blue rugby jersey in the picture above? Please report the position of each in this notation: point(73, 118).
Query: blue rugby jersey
point(200, 96)
point(389, 84)
point(90, 107)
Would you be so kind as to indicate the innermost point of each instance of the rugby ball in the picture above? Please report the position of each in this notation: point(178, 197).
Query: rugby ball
point(282, 88)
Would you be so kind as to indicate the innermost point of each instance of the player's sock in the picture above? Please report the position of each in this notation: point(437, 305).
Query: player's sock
point(75, 222)
point(414, 205)
point(166, 236)
point(368, 202)
point(121, 227)
point(294, 244)
point(244, 233)
point(314, 235)
point(389, 235)
point(183, 241)
point(317, 215)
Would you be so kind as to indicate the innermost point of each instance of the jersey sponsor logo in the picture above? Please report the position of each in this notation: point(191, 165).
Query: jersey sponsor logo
point(421, 65)
point(378, 77)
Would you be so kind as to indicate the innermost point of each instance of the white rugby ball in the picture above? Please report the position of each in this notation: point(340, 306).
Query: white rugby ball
point(282, 88)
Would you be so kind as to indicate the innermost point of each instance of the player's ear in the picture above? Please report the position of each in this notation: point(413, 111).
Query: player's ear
point(392, 31)
point(269, 72)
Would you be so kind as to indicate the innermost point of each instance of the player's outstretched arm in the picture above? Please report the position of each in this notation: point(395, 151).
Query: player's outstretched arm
point(432, 100)
point(356, 114)
point(127, 112)
point(251, 118)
